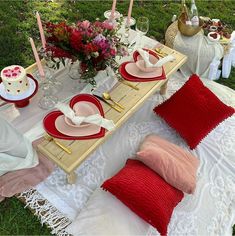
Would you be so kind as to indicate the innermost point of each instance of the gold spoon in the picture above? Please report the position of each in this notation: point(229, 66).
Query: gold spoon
point(108, 97)
point(49, 138)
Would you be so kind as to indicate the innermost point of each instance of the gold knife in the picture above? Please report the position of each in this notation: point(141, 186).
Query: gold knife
point(49, 138)
point(128, 84)
point(111, 105)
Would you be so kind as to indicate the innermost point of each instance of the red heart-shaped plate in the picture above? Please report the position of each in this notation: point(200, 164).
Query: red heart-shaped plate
point(49, 120)
point(127, 76)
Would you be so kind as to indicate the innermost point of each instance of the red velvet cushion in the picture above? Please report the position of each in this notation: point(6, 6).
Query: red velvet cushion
point(193, 111)
point(145, 193)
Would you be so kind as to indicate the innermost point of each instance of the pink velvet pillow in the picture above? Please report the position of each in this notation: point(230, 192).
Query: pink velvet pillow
point(174, 164)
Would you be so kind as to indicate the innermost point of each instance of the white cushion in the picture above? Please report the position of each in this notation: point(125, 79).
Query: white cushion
point(106, 215)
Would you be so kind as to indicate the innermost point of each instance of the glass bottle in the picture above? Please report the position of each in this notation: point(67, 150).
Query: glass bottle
point(194, 14)
point(185, 14)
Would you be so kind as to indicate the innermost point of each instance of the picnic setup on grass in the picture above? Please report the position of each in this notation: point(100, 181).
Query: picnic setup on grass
point(111, 132)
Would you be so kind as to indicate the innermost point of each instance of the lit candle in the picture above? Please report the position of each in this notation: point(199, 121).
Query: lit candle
point(41, 30)
point(113, 9)
point(38, 62)
point(129, 12)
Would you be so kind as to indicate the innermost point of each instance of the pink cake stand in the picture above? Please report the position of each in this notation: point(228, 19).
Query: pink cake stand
point(21, 100)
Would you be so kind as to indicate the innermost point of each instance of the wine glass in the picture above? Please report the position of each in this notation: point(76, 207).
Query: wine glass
point(49, 70)
point(50, 66)
point(48, 85)
point(48, 100)
point(142, 27)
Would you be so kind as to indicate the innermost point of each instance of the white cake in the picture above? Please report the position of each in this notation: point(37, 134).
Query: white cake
point(14, 79)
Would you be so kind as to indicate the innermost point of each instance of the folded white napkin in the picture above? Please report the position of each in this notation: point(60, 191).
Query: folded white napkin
point(145, 55)
point(96, 119)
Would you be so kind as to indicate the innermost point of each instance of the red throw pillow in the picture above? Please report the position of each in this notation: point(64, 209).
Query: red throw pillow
point(193, 111)
point(145, 193)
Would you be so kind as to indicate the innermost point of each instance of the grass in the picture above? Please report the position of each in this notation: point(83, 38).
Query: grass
point(16, 220)
point(17, 23)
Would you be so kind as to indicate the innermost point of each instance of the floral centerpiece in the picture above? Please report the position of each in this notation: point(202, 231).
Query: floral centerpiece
point(94, 45)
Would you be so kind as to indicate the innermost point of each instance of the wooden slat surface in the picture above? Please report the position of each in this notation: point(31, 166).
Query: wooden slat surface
point(130, 98)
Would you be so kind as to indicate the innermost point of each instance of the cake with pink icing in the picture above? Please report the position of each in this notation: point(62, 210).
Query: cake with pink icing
point(14, 79)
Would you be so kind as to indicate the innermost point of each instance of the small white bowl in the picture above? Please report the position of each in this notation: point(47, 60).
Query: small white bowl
point(141, 65)
point(212, 38)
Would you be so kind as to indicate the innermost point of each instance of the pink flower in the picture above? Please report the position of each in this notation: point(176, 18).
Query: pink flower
point(107, 25)
point(85, 24)
point(112, 52)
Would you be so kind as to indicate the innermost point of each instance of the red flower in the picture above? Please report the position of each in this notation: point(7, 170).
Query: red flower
point(76, 40)
point(58, 52)
point(90, 47)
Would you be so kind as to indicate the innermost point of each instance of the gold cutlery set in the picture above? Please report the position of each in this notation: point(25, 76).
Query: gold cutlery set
point(113, 104)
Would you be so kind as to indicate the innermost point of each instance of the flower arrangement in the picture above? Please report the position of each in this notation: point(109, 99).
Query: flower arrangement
point(95, 44)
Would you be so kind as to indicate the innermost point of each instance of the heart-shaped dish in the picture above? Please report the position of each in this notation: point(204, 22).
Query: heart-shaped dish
point(55, 125)
point(131, 72)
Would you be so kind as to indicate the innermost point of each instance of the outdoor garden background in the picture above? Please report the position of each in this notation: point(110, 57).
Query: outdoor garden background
point(18, 22)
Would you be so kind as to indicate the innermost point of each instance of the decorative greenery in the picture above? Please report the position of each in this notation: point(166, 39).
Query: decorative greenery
point(18, 22)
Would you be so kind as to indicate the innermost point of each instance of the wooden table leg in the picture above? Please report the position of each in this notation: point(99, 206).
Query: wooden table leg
point(71, 177)
point(163, 88)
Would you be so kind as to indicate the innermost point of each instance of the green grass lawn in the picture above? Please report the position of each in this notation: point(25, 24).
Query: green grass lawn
point(18, 22)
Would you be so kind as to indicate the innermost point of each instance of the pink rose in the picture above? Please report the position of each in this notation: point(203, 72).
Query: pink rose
point(85, 24)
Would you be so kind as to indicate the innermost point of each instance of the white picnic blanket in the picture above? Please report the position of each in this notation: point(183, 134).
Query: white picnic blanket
point(16, 151)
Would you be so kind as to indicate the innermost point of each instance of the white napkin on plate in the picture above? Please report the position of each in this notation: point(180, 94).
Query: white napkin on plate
point(145, 55)
point(96, 119)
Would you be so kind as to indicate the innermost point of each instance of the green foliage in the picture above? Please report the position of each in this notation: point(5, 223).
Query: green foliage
point(18, 22)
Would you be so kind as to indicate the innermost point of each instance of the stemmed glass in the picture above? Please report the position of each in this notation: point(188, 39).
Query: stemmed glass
point(50, 71)
point(48, 86)
point(48, 100)
point(142, 27)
